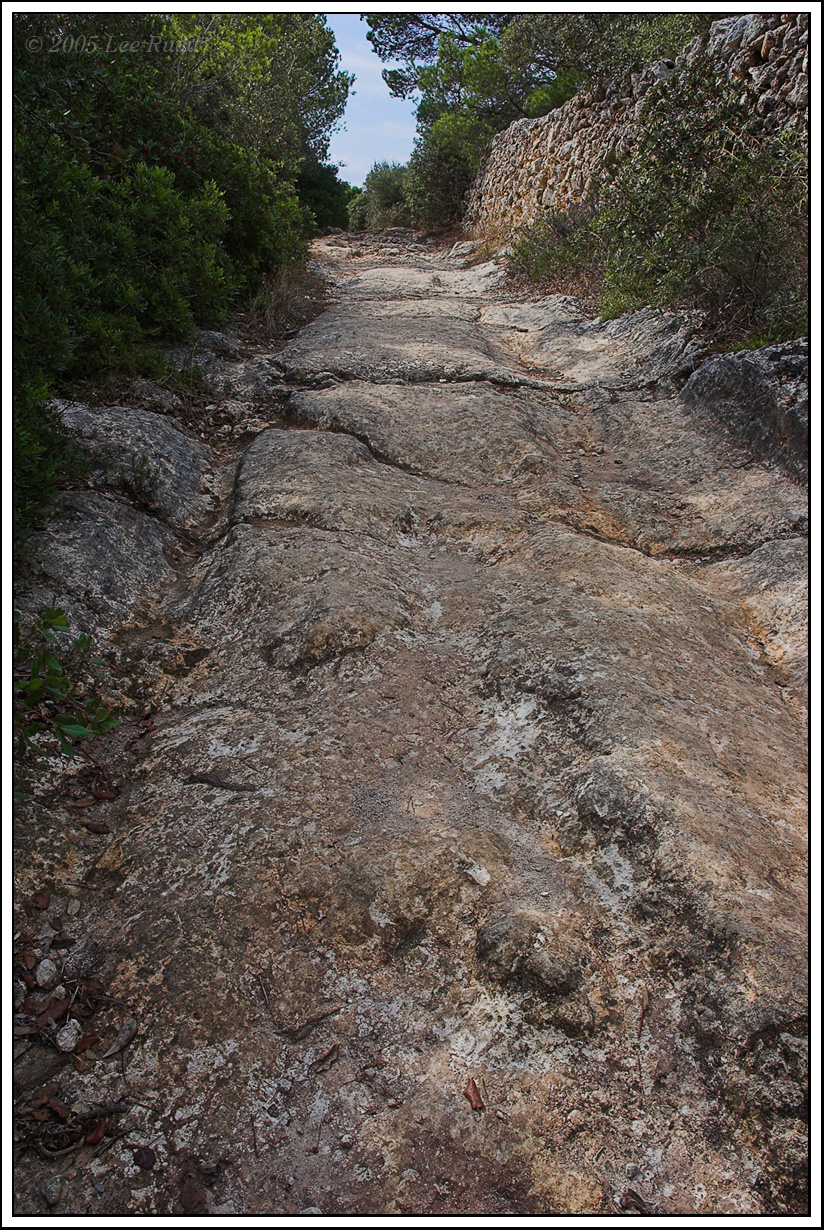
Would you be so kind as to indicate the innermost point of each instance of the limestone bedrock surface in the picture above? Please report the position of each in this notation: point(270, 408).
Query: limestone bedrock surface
point(477, 750)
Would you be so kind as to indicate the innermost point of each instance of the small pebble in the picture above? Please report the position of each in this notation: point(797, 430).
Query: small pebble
point(575, 1119)
point(51, 1189)
point(46, 975)
point(631, 1170)
point(68, 1037)
point(73, 908)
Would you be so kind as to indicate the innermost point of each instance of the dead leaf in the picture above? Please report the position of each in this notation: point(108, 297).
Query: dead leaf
point(144, 1157)
point(56, 1009)
point(41, 901)
point(105, 794)
point(631, 1200)
point(473, 1094)
point(96, 826)
point(58, 1108)
point(85, 1043)
point(87, 801)
point(325, 1061)
point(95, 1136)
point(123, 1039)
point(56, 923)
point(42, 1096)
point(29, 960)
point(63, 941)
point(42, 1115)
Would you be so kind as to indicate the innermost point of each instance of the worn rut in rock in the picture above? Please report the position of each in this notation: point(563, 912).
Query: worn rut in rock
point(476, 753)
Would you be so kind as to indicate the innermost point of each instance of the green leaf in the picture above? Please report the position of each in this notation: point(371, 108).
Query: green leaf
point(75, 732)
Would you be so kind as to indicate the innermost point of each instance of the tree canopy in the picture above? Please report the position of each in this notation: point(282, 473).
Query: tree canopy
point(415, 39)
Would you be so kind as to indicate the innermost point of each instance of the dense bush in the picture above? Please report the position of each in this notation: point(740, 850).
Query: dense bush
point(150, 190)
point(325, 195)
point(43, 457)
point(383, 199)
point(443, 165)
point(710, 211)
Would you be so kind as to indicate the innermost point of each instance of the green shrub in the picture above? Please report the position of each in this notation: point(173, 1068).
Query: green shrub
point(150, 192)
point(323, 194)
point(267, 225)
point(384, 192)
point(54, 687)
point(44, 456)
point(382, 201)
point(559, 246)
point(443, 165)
point(357, 211)
point(709, 212)
point(545, 98)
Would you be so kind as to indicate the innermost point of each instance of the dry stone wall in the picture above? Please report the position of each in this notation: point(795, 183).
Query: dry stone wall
point(561, 159)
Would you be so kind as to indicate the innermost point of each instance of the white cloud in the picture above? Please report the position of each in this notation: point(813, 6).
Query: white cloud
point(377, 127)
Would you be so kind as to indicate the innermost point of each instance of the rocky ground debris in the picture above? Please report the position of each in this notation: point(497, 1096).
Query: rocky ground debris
point(464, 751)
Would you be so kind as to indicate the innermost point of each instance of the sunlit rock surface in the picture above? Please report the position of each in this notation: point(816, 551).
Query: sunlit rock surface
point(466, 742)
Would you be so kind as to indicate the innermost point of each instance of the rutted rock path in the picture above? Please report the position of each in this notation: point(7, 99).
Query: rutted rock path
point(476, 752)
